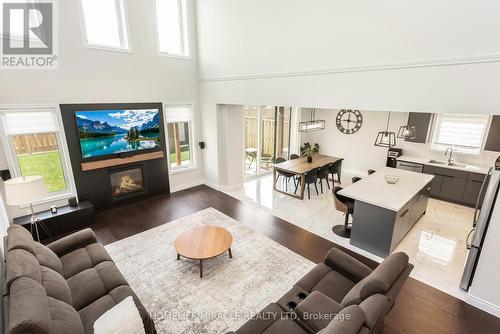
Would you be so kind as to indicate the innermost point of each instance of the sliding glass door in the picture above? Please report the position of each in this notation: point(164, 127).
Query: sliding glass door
point(267, 136)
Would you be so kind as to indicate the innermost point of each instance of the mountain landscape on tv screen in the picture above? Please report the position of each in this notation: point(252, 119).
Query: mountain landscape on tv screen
point(115, 131)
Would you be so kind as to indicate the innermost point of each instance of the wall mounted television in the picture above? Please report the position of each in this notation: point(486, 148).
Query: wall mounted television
point(118, 131)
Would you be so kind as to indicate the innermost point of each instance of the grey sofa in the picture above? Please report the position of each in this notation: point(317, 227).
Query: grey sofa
point(339, 296)
point(62, 287)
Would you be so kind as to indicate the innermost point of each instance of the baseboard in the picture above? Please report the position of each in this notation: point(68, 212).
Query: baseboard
point(187, 185)
point(483, 305)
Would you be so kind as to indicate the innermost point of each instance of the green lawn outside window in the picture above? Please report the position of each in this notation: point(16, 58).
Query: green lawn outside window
point(46, 164)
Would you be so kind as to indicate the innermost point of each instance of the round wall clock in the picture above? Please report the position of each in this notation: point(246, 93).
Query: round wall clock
point(349, 121)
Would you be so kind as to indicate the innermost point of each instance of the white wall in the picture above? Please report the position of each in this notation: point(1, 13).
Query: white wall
point(384, 55)
point(88, 75)
point(358, 150)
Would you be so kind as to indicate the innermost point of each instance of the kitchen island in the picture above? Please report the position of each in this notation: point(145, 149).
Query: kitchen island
point(384, 213)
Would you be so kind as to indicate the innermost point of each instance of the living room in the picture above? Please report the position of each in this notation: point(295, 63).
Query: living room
point(123, 149)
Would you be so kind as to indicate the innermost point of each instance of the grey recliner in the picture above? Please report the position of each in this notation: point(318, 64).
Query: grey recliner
point(63, 287)
point(339, 296)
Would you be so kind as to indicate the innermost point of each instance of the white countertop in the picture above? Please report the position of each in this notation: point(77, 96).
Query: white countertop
point(425, 161)
point(373, 189)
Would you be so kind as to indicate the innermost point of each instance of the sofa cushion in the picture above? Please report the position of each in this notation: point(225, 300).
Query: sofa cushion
point(89, 285)
point(122, 318)
point(28, 308)
point(20, 263)
point(379, 281)
point(19, 238)
point(56, 286)
point(349, 321)
point(271, 320)
point(64, 318)
point(93, 311)
point(48, 258)
point(374, 308)
point(83, 258)
point(313, 277)
point(317, 310)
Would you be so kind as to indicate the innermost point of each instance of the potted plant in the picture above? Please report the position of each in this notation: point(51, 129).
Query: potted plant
point(309, 151)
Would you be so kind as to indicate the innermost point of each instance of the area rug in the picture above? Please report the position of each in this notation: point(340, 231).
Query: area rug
point(231, 290)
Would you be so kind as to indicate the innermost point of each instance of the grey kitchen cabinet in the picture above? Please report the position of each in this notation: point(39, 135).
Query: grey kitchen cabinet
point(455, 185)
point(421, 121)
point(493, 141)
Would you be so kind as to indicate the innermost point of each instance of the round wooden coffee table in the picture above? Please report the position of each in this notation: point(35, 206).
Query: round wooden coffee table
point(203, 242)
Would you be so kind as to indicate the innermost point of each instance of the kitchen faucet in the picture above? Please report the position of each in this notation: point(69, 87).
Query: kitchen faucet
point(450, 149)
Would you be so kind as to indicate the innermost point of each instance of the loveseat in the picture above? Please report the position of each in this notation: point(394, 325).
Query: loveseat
point(63, 287)
point(339, 296)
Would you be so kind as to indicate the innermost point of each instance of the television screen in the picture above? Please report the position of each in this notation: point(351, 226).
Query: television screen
point(107, 132)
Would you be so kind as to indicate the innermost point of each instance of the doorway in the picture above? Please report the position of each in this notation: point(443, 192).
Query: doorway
point(267, 136)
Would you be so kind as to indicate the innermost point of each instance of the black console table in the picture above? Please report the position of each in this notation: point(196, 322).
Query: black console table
point(66, 220)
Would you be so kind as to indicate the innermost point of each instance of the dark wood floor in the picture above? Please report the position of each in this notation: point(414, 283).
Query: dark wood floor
point(419, 308)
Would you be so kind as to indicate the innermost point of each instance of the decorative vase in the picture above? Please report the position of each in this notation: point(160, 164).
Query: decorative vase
point(309, 158)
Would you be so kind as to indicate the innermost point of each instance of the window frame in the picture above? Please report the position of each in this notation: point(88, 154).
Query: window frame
point(185, 36)
point(11, 157)
point(123, 29)
point(435, 146)
point(193, 165)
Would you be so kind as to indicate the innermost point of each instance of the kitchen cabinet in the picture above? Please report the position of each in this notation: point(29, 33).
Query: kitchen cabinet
point(421, 121)
point(493, 141)
point(455, 185)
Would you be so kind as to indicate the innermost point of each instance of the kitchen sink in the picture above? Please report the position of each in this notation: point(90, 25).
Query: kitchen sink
point(446, 163)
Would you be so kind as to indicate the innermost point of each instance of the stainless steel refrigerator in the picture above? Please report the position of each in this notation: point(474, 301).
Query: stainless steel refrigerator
point(482, 217)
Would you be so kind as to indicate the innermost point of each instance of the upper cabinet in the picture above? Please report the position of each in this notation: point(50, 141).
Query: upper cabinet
point(493, 141)
point(421, 121)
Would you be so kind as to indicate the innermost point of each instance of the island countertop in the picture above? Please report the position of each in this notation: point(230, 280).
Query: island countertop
point(373, 189)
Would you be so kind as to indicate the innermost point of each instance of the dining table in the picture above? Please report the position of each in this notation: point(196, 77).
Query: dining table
point(300, 167)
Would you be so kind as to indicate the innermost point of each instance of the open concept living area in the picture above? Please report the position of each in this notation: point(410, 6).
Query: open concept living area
point(249, 167)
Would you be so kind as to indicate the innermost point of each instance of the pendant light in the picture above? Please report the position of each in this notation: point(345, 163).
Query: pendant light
point(386, 138)
point(407, 132)
point(312, 125)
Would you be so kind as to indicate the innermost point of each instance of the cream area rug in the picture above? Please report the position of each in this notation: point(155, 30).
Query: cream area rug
point(231, 290)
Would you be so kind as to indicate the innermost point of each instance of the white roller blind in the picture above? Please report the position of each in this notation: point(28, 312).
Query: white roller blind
point(176, 114)
point(465, 133)
point(29, 121)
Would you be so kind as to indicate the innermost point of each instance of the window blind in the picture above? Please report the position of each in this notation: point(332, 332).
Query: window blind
point(21, 122)
point(176, 114)
point(465, 133)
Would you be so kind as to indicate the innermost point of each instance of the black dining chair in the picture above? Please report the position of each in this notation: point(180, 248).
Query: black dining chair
point(346, 205)
point(310, 177)
point(336, 168)
point(286, 176)
point(294, 156)
point(356, 179)
point(371, 171)
point(323, 174)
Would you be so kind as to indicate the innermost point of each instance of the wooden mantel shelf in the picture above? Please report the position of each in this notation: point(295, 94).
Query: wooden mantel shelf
point(86, 166)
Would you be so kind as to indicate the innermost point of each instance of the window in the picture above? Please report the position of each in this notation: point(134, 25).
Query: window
point(105, 24)
point(465, 133)
point(32, 143)
point(171, 19)
point(179, 130)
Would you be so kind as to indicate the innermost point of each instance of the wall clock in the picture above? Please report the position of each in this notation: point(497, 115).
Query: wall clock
point(349, 121)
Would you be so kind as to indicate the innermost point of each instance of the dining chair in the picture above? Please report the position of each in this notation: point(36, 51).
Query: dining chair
point(323, 174)
point(371, 171)
point(310, 177)
point(346, 205)
point(356, 179)
point(294, 156)
point(286, 176)
point(336, 168)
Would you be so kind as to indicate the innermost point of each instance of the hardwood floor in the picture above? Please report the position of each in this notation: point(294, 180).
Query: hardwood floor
point(419, 308)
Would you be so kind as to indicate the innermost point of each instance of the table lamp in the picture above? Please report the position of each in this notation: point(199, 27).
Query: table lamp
point(27, 190)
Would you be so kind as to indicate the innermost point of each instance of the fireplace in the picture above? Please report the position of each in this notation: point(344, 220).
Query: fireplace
point(126, 182)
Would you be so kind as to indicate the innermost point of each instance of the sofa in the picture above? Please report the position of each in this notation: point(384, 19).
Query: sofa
point(63, 287)
point(339, 296)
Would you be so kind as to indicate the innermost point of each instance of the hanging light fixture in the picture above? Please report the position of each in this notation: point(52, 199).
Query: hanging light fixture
point(386, 138)
point(312, 125)
point(407, 132)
